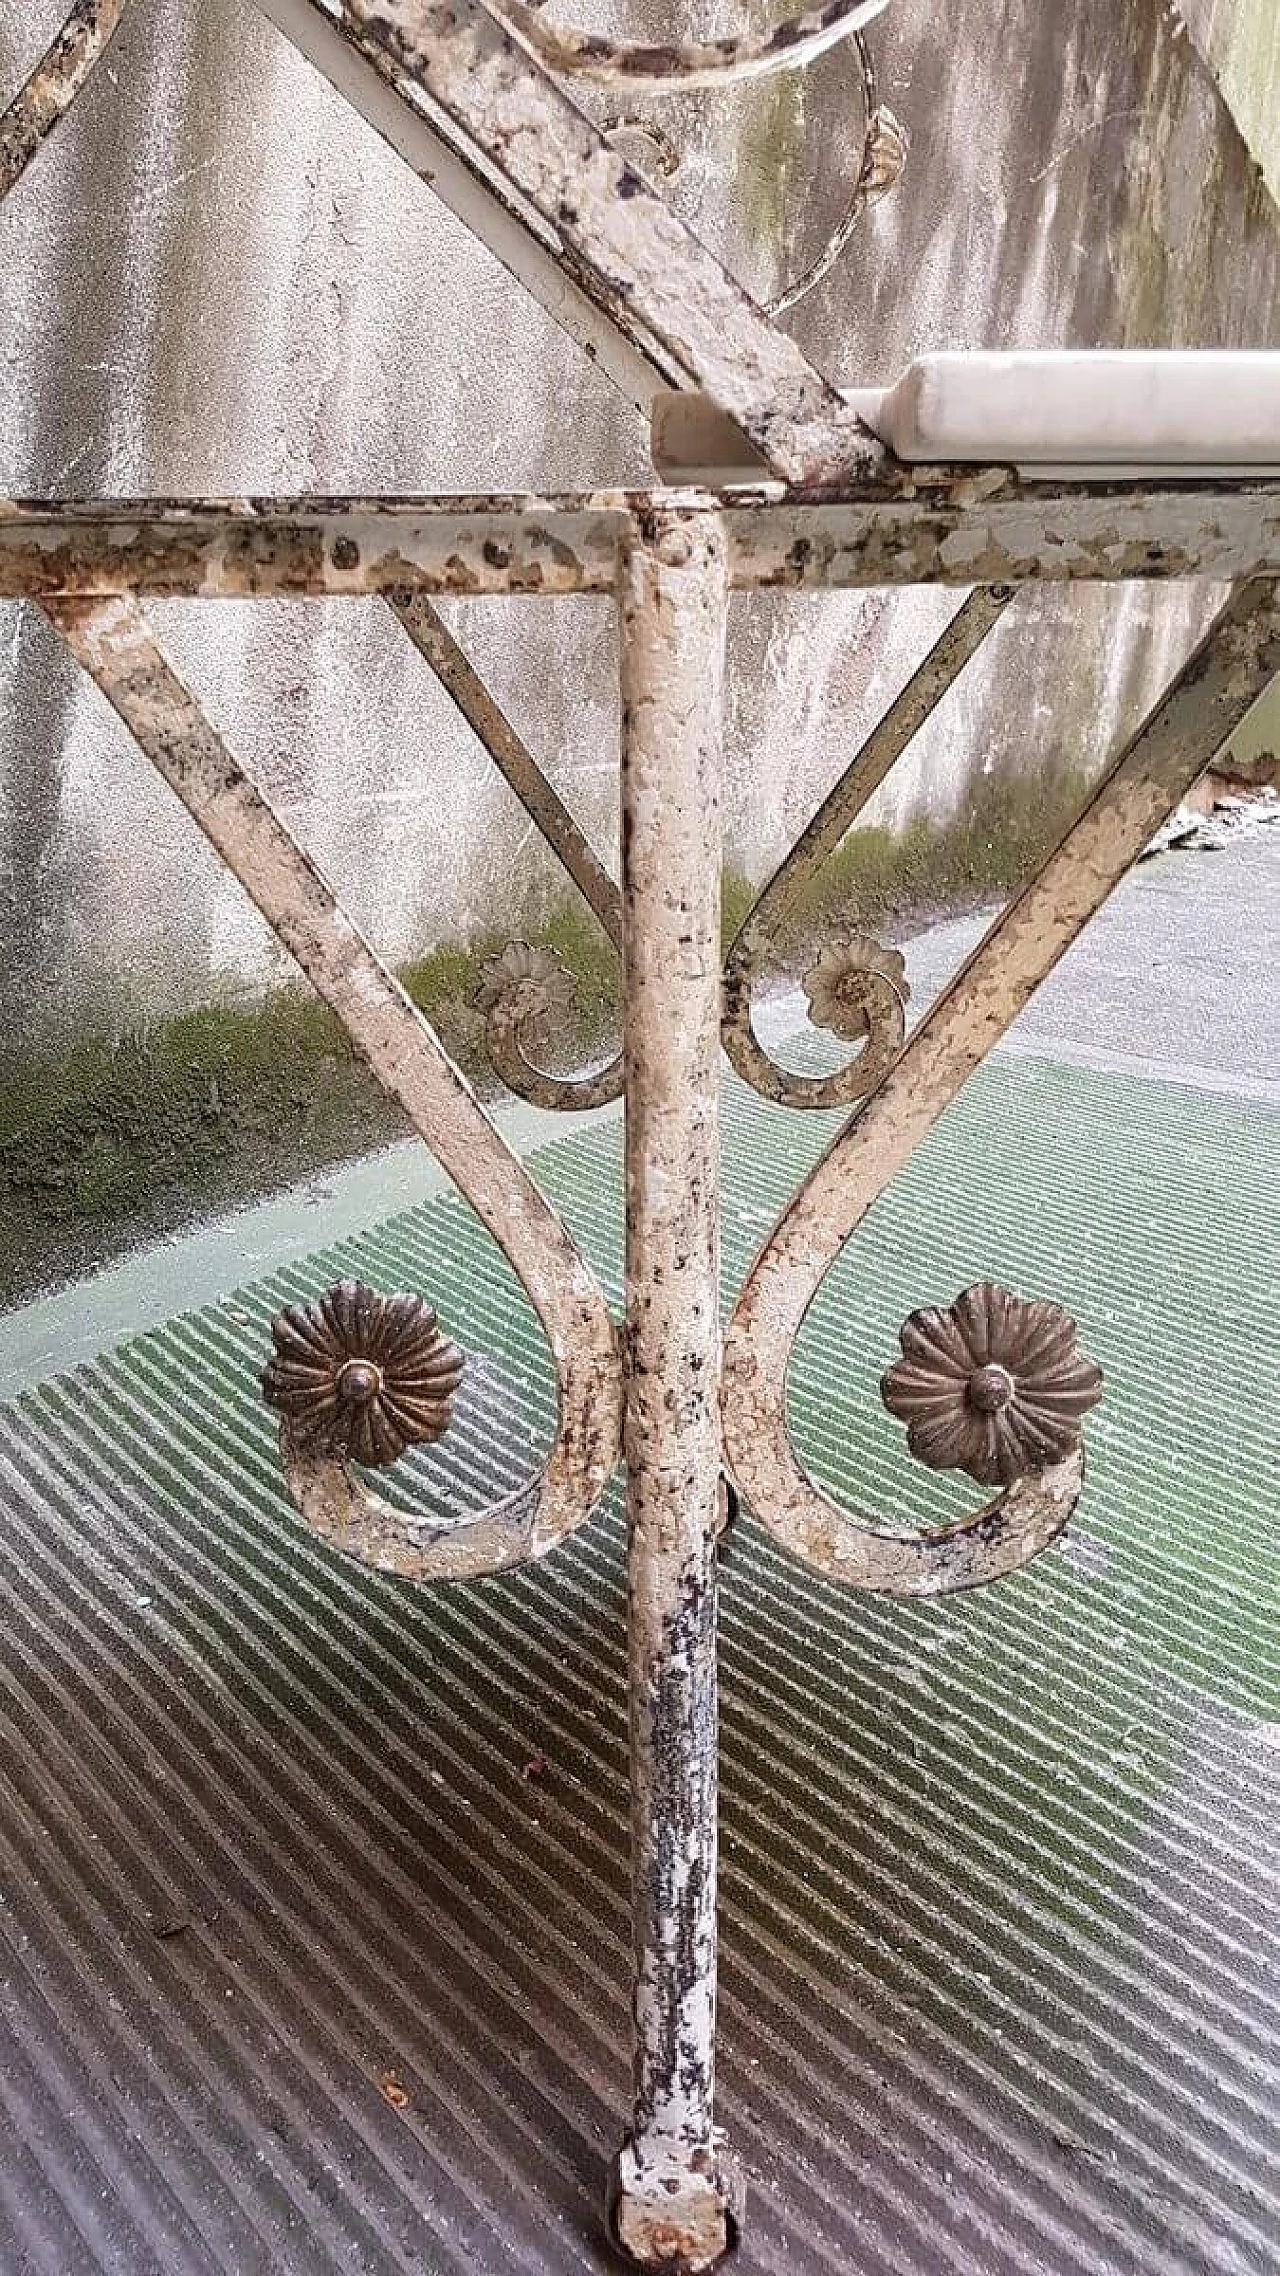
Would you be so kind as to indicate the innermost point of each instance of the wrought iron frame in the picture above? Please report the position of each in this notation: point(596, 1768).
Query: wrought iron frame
point(995, 1385)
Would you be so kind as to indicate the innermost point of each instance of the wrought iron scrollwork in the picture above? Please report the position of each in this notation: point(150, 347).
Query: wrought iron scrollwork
point(857, 991)
point(858, 987)
point(643, 141)
point(678, 70)
point(874, 978)
point(842, 985)
point(885, 144)
point(997, 1386)
point(521, 992)
point(355, 1414)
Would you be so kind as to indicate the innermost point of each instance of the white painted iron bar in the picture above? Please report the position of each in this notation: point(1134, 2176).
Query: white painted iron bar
point(671, 2204)
point(952, 526)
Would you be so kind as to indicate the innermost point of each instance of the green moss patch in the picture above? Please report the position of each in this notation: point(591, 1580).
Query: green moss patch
point(1002, 835)
point(110, 1142)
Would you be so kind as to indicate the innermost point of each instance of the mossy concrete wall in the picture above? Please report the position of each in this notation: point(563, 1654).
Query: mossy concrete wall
point(111, 1140)
point(218, 279)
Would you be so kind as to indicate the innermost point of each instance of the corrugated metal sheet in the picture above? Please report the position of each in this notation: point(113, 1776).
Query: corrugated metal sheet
point(281, 1842)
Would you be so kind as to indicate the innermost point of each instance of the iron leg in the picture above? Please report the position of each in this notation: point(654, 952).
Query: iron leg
point(672, 2202)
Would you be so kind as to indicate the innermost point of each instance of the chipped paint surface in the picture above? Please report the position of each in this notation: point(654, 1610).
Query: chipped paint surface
point(116, 647)
point(1222, 678)
point(67, 64)
point(225, 549)
point(670, 2202)
point(986, 526)
point(531, 251)
point(959, 526)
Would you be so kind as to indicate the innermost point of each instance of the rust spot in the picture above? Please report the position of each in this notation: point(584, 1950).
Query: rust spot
point(392, 2091)
point(459, 576)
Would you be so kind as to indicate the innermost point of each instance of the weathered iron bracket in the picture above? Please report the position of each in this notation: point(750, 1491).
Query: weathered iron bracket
point(113, 643)
point(468, 91)
point(1235, 661)
point(995, 1387)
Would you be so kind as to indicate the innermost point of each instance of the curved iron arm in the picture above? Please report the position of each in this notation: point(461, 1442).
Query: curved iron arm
point(114, 644)
point(884, 999)
point(517, 1002)
point(884, 154)
point(752, 949)
point(519, 993)
point(674, 70)
point(68, 62)
point(1222, 678)
point(695, 63)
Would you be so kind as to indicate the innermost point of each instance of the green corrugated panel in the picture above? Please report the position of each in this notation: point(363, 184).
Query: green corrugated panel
point(1002, 1975)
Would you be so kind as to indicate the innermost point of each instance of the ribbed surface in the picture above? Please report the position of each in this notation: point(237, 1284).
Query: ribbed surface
point(1001, 1975)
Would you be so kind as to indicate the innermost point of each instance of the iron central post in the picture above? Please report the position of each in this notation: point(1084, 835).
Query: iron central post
point(671, 2198)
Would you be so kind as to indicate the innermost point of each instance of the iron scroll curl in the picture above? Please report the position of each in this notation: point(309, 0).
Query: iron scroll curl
point(113, 642)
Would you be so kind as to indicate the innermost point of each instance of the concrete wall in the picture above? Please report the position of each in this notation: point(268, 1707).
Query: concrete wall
point(1240, 41)
point(218, 279)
